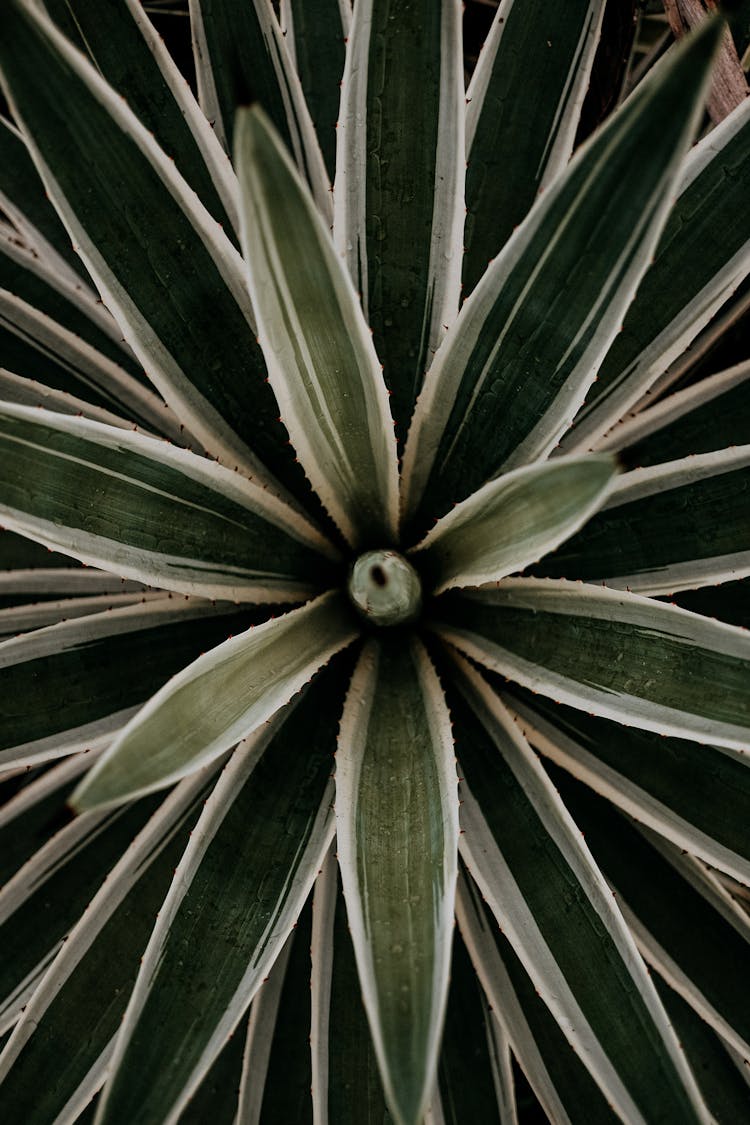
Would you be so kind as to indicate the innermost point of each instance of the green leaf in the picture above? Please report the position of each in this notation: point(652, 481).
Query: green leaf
point(45, 898)
point(70, 686)
point(696, 796)
point(264, 1011)
point(162, 265)
point(29, 392)
point(35, 344)
point(666, 528)
point(524, 103)
point(215, 1100)
point(472, 1073)
point(614, 654)
point(149, 511)
point(24, 201)
point(346, 1083)
point(220, 698)
point(396, 816)
point(561, 1082)
point(724, 1088)
point(553, 906)
point(513, 521)
point(504, 385)
point(241, 57)
point(31, 815)
point(316, 32)
point(30, 276)
point(286, 1091)
point(127, 51)
point(399, 210)
point(77, 1009)
point(657, 889)
point(701, 258)
point(321, 361)
point(236, 894)
point(709, 415)
point(17, 619)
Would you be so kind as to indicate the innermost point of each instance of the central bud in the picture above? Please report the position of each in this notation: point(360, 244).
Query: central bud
point(385, 588)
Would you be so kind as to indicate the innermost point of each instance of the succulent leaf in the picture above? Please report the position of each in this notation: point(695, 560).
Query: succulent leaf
point(541, 883)
point(519, 359)
point(321, 360)
point(221, 697)
point(397, 832)
point(611, 653)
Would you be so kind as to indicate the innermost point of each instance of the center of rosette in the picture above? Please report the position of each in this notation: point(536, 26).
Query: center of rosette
point(385, 588)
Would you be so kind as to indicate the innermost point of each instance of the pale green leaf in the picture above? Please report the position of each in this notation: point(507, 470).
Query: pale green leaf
point(541, 883)
point(517, 363)
point(524, 103)
point(152, 512)
point(217, 700)
point(399, 208)
point(319, 351)
point(513, 521)
point(666, 528)
point(397, 830)
point(611, 653)
point(241, 57)
point(237, 892)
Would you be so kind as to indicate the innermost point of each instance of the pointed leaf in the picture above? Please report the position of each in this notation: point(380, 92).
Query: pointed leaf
point(45, 898)
point(77, 1009)
point(471, 1068)
point(396, 816)
point(260, 1033)
point(127, 51)
point(286, 1091)
point(524, 104)
point(70, 686)
point(218, 699)
point(658, 890)
point(504, 387)
point(29, 392)
point(666, 528)
point(237, 892)
point(345, 1074)
point(24, 201)
point(29, 275)
point(696, 796)
point(319, 352)
point(614, 654)
point(702, 256)
point(726, 1091)
point(215, 1100)
point(399, 191)
point(561, 1082)
point(706, 416)
point(39, 346)
point(549, 898)
point(316, 32)
point(241, 57)
point(514, 520)
point(31, 815)
point(152, 512)
point(162, 265)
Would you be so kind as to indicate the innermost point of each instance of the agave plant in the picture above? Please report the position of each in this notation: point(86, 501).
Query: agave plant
point(326, 513)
